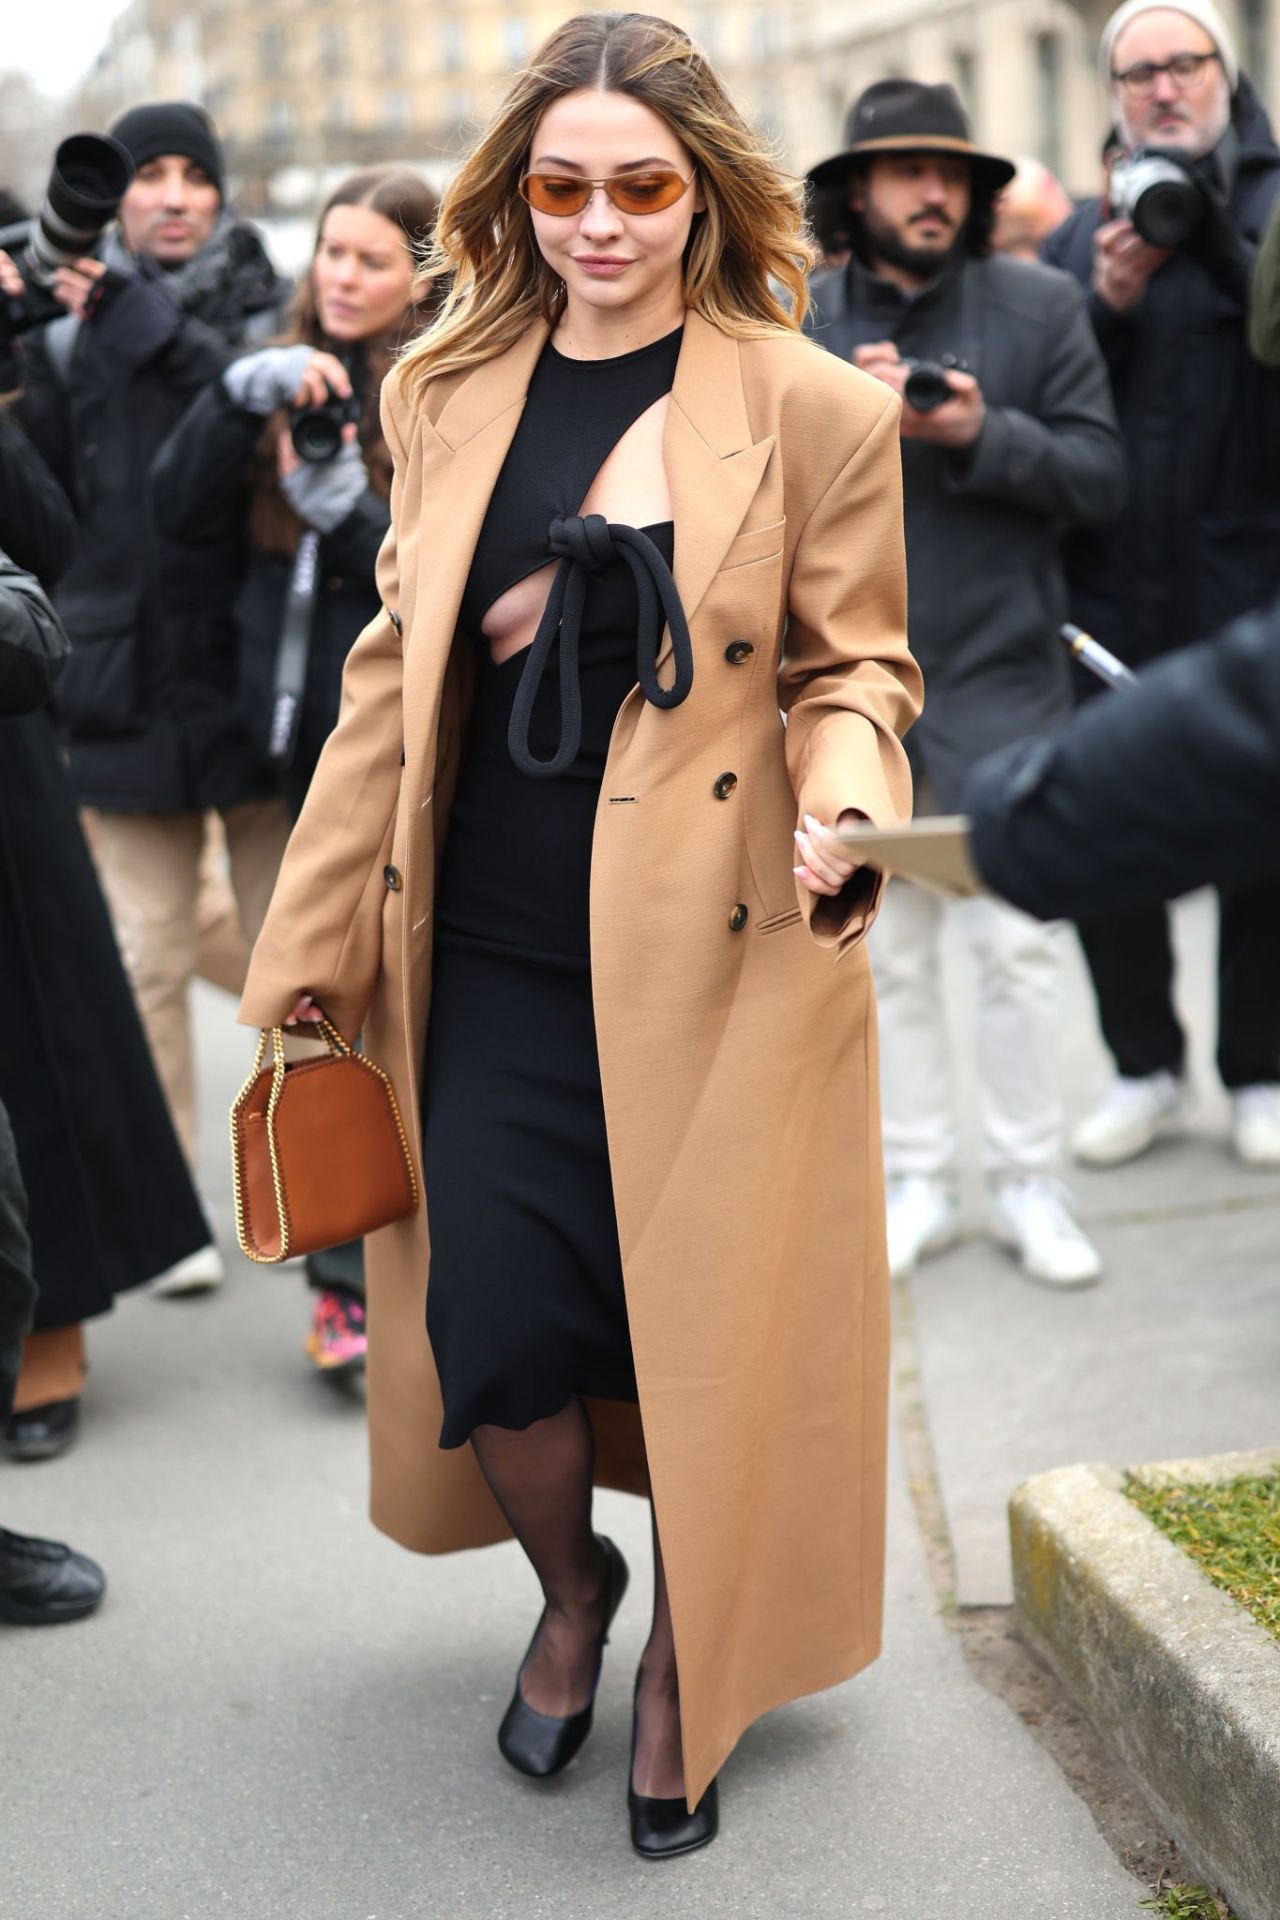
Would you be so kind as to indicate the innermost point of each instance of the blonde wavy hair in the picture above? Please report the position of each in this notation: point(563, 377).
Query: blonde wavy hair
point(749, 255)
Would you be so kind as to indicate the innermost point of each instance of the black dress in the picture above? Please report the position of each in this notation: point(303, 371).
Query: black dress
point(525, 1302)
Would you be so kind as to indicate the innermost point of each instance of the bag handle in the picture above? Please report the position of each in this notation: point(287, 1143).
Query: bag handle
point(323, 1029)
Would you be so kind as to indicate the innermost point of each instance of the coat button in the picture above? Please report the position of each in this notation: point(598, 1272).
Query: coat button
point(738, 918)
point(725, 785)
point(738, 651)
point(392, 877)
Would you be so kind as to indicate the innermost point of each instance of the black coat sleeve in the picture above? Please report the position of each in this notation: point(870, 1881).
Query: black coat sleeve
point(199, 478)
point(33, 645)
point(1150, 791)
point(1065, 460)
point(44, 409)
point(37, 526)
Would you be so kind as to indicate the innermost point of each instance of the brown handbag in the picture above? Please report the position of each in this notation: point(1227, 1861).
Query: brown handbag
point(318, 1151)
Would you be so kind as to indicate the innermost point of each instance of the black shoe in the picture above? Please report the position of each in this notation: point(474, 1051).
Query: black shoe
point(43, 1583)
point(661, 1829)
point(537, 1743)
point(42, 1432)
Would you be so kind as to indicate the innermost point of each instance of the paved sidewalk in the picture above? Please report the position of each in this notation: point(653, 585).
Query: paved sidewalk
point(280, 1716)
point(1176, 1353)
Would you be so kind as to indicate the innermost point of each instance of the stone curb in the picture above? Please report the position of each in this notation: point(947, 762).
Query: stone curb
point(1179, 1680)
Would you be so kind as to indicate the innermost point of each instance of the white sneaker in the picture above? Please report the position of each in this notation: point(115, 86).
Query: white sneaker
point(1255, 1127)
point(923, 1217)
point(198, 1273)
point(1031, 1214)
point(1132, 1115)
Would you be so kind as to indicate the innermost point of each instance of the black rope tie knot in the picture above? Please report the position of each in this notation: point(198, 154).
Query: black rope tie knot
point(586, 546)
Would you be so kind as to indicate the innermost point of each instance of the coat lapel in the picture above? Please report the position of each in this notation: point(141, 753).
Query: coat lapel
point(462, 456)
point(714, 469)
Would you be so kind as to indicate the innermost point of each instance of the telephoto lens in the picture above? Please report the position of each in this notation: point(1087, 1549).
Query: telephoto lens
point(316, 432)
point(1160, 197)
point(91, 175)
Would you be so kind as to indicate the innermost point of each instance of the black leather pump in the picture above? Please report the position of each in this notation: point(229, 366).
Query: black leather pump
point(661, 1829)
point(537, 1743)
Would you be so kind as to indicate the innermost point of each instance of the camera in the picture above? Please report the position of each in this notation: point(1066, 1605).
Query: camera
point(926, 387)
point(1159, 195)
point(90, 177)
point(317, 431)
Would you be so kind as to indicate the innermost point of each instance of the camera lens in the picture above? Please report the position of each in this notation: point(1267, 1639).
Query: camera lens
point(317, 434)
point(926, 387)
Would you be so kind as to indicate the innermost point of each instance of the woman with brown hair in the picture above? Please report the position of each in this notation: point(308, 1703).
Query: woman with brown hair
point(301, 529)
point(562, 863)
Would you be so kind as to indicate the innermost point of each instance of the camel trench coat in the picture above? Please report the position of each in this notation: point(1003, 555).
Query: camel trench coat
point(734, 1017)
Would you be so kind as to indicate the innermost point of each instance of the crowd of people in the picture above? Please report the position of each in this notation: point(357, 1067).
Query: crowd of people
point(197, 480)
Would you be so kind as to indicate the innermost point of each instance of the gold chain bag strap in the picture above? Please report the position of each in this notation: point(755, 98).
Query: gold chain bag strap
point(318, 1151)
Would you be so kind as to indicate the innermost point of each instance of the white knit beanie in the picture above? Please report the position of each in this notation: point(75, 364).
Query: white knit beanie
point(1203, 12)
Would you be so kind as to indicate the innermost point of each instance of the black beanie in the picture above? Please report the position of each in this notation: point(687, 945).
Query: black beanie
point(172, 126)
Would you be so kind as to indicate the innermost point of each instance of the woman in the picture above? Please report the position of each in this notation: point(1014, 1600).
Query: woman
point(76, 1072)
point(301, 537)
point(692, 1302)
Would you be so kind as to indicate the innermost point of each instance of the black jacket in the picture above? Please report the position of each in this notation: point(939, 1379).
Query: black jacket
point(201, 490)
point(1152, 790)
point(1199, 541)
point(984, 525)
point(111, 1201)
point(153, 717)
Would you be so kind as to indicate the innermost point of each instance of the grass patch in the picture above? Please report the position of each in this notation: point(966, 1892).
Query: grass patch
point(1231, 1529)
point(1188, 1903)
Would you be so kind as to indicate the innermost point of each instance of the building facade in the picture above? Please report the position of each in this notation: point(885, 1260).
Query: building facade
point(320, 84)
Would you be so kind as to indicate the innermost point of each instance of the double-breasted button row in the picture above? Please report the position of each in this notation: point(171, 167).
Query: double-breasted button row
point(725, 785)
point(392, 877)
point(738, 652)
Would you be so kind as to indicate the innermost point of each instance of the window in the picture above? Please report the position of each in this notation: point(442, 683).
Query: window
point(964, 69)
point(1255, 34)
point(279, 120)
point(398, 112)
point(515, 34)
point(270, 50)
point(392, 49)
point(333, 50)
point(1049, 79)
point(337, 113)
point(452, 49)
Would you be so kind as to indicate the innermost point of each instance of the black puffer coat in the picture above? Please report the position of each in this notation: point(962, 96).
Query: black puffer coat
point(153, 714)
point(111, 1200)
point(1199, 539)
point(201, 481)
point(1165, 786)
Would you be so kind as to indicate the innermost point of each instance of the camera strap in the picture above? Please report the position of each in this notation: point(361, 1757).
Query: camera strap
point(294, 650)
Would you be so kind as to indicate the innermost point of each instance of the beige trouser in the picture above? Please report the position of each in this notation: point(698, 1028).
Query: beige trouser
point(165, 877)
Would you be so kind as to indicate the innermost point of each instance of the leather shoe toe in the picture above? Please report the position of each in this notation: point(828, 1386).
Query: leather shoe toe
point(42, 1432)
point(43, 1582)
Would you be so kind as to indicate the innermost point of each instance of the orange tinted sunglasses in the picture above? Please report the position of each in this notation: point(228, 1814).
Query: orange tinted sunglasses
point(647, 190)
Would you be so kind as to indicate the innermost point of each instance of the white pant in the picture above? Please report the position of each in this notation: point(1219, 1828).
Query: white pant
point(1019, 1015)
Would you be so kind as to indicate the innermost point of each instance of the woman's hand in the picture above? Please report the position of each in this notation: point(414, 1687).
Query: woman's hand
point(304, 1009)
point(825, 868)
point(323, 378)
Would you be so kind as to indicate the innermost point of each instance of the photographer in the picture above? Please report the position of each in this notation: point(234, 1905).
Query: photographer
point(1008, 436)
point(156, 734)
point(111, 1201)
point(1199, 541)
point(295, 540)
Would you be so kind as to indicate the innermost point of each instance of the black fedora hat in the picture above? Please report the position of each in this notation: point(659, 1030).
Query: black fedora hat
point(905, 116)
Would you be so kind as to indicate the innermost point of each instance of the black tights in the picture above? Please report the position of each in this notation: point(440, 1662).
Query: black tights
point(541, 1478)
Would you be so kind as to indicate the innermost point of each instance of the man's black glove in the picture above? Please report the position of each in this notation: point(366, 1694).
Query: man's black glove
point(1217, 244)
point(132, 314)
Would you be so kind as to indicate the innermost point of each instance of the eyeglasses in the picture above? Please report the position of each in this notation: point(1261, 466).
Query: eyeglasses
point(648, 190)
point(1186, 70)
